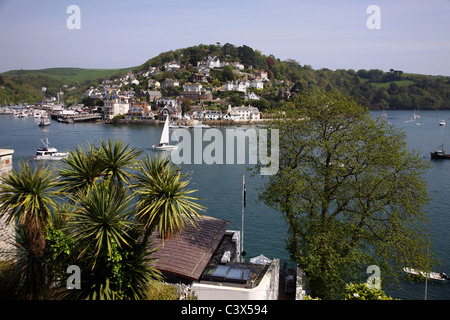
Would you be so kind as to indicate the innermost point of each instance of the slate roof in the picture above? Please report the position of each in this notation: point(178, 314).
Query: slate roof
point(187, 253)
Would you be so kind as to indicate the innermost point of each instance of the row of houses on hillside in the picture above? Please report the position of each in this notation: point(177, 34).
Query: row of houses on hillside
point(172, 107)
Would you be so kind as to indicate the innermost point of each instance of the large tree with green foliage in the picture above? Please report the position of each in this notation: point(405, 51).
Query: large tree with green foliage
point(351, 192)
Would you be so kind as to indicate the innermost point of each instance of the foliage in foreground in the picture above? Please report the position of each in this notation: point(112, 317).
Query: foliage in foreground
point(350, 191)
point(93, 215)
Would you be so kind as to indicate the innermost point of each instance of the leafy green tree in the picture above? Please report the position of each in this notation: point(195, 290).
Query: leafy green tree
point(363, 292)
point(351, 192)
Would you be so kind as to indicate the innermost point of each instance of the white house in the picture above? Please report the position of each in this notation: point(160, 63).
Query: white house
point(115, 107)
point(251, 96)
point(237, 85)
point(243, 113)
point(192, 87)
point(257, 84)
point(212, 114)
point(238, 65)
point(172, 65)
point(212, 62)
point(164, 101)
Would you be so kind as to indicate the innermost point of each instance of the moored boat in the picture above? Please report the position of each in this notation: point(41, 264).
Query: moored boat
point(429, 275)
point(164, 141)
point(44, 122)
point(440, 153)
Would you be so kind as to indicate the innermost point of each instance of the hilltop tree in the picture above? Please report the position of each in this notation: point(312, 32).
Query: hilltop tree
point(351, 193)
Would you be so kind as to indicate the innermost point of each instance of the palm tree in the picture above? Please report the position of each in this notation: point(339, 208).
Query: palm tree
point(164, 200)
point(27, 197)
point(81, 169)
point(108, 161)
point(116, 159)
point(112, 263)
point(101, 220)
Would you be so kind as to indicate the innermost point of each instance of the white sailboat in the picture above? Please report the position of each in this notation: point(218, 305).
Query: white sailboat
point(164, 142)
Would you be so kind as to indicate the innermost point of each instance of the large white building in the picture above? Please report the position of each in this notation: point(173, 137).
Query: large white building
point(243, 113)
point(115, 107)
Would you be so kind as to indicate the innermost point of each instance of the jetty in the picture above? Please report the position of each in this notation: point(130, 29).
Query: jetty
point(79, 118)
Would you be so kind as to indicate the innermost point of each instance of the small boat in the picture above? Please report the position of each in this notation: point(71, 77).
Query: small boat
point(44, 122)
point(164, 141)
point(442, 123)
point(429, 275)
point(49, 153)
point(201, 126)
point(440, 153)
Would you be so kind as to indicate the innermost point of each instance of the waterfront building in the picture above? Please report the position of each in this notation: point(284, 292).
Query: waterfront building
point(115, 107)
point(242, 113)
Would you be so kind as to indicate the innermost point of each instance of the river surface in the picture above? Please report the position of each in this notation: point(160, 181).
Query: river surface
point(220, 185)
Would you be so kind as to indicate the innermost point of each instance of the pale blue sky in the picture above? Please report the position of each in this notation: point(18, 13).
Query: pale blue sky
point(414, 35)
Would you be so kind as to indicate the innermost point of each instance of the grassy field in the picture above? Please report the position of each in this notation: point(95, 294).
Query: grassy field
point(386, 84)
point(71, 75)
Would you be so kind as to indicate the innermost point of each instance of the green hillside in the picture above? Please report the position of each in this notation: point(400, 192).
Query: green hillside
point(25, 86)
point(70, 75)
point(374, 88)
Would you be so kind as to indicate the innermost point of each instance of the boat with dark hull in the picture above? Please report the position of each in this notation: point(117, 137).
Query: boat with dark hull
point(440, 153)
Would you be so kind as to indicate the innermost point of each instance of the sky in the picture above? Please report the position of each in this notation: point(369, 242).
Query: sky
point(412, 35)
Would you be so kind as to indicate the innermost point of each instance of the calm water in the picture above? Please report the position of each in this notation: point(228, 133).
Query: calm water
point(221, 185)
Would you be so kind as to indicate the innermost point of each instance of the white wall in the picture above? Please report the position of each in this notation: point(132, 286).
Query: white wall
point(267, 289)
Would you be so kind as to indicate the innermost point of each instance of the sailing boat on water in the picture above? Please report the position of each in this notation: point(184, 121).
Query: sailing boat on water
point(164, 142)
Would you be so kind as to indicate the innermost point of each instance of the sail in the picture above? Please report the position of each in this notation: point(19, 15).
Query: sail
point(165, 132)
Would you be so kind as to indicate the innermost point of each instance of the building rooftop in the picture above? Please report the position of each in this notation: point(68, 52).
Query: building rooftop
point(187, 253)
point(232, 273)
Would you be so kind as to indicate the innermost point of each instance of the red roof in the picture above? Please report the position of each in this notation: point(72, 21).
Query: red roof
point(187, 253)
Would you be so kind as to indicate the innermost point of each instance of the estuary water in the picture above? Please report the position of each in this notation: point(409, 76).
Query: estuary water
point(220, 185)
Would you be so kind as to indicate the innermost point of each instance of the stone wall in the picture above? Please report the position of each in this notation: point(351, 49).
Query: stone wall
point(6, 229)
point(6, 238)
point(5, 161)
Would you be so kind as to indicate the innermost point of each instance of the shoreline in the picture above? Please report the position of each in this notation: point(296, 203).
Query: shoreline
point(212, 123)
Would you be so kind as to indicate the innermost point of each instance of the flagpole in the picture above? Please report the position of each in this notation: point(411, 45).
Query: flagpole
point(243, 207)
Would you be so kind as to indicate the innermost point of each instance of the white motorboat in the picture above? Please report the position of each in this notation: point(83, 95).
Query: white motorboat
point(44, 122)
point(200, 126)
point(49, 153)
point(164, 141)
point(442, 123)
point(429, 275)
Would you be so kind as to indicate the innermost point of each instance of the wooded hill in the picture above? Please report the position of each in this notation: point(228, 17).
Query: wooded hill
point(376, 89)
